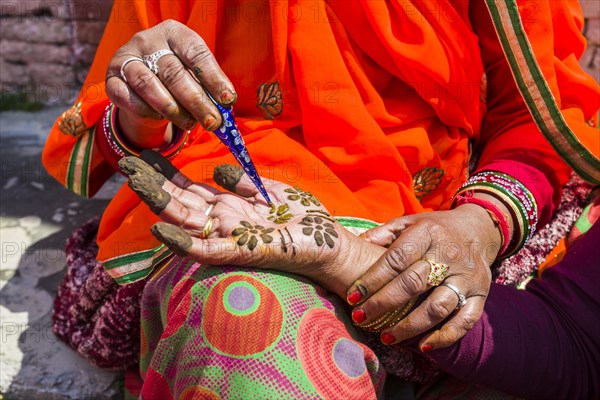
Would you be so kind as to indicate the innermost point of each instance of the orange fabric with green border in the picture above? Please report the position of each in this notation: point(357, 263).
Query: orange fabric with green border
point(372, 93)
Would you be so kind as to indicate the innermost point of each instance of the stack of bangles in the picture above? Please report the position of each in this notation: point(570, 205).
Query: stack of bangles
point(514, 195)
point(115, 146)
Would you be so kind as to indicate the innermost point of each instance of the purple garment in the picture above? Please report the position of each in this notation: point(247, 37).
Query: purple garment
point(543, 342)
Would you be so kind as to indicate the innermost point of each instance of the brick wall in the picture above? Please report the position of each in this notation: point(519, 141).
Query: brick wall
point(47, 46)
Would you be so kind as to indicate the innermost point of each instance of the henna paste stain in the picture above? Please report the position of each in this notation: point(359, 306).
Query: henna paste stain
point(281, 214)
point(133, 165)
point(159, 163)
point(150, 191)
point(321, 231)
point(175, 238)
point(228, 176)
point(248, 234)
point(305, 198)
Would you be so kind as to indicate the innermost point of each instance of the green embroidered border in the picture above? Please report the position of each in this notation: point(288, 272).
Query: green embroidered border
point(571, 150)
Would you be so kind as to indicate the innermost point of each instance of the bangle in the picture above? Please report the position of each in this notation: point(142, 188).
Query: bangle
point(499, 218)
point(515, 196)
point(120, 147)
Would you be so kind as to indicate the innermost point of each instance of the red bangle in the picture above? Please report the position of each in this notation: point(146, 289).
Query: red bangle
point(114, 146)
point(499, 218)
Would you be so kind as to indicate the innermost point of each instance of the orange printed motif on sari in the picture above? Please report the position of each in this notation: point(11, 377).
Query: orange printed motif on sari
point(71, 121)
point(268, 99)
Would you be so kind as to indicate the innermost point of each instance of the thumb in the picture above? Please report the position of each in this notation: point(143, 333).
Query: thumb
point(385, 234)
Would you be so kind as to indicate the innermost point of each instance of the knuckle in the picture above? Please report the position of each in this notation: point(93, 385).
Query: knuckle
point(395, 259)
point(438, 310)
point(169, 110)
point(141, 81)
point(411, 282)
point(172, 71)
point(198, 53)
point(469, 321)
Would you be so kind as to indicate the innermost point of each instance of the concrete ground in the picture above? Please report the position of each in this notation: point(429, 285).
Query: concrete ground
point(37, 215)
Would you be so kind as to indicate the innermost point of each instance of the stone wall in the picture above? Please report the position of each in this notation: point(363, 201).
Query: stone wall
point(47, 46)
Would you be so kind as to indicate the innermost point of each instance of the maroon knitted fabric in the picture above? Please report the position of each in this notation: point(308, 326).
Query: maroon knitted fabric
point(92, 314)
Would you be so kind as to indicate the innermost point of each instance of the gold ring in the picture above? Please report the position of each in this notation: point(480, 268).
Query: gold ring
point(207, 228)
point(437, 272)
point(388, 319)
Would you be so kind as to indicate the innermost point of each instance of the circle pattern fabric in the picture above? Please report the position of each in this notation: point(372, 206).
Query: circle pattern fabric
point(333, 362)
point(237, 302)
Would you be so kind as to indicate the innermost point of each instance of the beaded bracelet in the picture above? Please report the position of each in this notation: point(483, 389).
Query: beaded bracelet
point(515, 196)
point(121, 148)
point(500, 219)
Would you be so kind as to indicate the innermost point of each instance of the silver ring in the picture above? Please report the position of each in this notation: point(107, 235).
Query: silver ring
point(209, 209)
point(127, 62)
point(462, 300)
point(151, 60)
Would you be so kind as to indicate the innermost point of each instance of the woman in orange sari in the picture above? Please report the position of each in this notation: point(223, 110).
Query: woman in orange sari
point(378, 110)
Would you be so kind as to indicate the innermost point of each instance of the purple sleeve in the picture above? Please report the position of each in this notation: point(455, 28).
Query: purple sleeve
point(543, 342)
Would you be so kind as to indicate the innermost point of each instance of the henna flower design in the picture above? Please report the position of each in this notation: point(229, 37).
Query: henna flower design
point(249, 234)
point(321, 230)
point(306, 198)
point(280, 215)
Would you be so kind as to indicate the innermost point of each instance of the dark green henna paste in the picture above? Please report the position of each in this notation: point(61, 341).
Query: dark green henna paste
point(228, 176)
point(175, 238)
point(248, 234)
point(150, 191)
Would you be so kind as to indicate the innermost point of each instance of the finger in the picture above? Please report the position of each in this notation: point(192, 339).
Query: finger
point(133, 165)
point(384, 235)
point(405, 251)
point(124, 97)
point(213, 251)
point(167, 169)
point(169, 209)
point(234, 179)
point(186, 90)
point(155, 94)
point(395, 294)
point(438, 306)
point(195, 55)
point(456, 327)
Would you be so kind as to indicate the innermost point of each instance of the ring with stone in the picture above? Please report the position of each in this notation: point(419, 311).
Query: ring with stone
point(437, 272)
point(151, 60)
point(131, 59)
point(462, 300)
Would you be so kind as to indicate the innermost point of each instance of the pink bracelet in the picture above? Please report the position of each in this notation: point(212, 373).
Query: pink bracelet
point(499, 218)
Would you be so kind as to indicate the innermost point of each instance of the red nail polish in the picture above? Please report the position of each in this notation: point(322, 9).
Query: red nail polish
point(387, 338)
point(354, 297)
point(208, 122)
point(426, 347)
point(227, 97)
point(359, 316)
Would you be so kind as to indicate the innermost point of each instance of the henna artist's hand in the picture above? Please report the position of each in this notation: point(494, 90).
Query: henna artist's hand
point(295, 235)
point(147, 102)
point(465, 239)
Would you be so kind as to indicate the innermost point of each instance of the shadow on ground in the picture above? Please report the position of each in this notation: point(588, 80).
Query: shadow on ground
point(37, 215)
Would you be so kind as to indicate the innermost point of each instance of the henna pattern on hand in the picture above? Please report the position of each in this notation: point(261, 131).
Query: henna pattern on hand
point(305, 198)
point(322, 232)
point(281, 214)
point(249, 234)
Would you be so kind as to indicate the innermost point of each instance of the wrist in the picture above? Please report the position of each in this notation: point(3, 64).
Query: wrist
point(485, 231)
point(354, 258)
point(143, 133)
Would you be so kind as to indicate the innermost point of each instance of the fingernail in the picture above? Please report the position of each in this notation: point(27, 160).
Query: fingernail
point(426, 347)
point(387, 338)
point(190, 125)
point(359, 316)
point(208, 122)
point(354, 297)
point(228, 97)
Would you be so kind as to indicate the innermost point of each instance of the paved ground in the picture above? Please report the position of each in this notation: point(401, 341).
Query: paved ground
point(37, 215)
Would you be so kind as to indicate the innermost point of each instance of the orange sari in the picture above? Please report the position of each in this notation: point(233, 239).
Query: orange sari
point(381, 105)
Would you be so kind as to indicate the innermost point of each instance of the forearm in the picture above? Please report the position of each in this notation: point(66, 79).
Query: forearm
point(143, 133)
